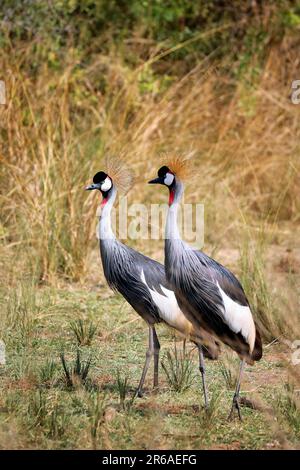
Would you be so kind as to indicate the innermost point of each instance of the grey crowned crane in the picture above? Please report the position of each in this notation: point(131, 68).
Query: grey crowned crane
point(141, 280)
point(209, 294)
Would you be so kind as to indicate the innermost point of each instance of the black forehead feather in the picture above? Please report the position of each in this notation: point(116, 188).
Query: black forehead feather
point(163, 171)
point(99, 177)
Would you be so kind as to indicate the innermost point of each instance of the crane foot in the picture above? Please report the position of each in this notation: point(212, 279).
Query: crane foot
point(235, 406)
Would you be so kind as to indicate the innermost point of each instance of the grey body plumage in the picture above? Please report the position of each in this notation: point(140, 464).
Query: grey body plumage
point(123, 267)
point(196, 278)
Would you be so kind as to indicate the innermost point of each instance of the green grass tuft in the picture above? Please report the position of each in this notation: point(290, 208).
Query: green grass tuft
point(178, 368)
point(77, 375)
point(84, 331)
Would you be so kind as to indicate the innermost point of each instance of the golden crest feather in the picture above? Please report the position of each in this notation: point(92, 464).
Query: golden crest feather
point(179, 165)
point(121, 175)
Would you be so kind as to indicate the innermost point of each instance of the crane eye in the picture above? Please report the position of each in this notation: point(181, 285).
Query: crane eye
point(169, 178)
point(106, 185)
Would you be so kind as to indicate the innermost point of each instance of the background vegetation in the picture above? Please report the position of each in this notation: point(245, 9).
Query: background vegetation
point(85, 79)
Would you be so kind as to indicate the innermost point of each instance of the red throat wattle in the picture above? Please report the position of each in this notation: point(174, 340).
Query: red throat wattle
point(172, 196)
point(104, 201)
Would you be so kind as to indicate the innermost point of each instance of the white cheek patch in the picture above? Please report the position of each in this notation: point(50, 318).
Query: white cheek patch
point(106, 185)
point(169, 178)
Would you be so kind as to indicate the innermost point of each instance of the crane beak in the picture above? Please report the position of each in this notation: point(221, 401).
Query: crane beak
point(93, 186)
point(157, 181)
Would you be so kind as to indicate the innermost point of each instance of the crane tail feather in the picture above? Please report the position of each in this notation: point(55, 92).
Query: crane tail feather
point(257, 350)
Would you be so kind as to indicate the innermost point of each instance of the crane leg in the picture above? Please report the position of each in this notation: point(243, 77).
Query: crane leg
point(202, 371)
point(156, 347)
point(150, 352)
point(236, 397)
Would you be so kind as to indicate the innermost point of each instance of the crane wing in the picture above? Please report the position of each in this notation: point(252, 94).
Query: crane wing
point(216, 297)
point(227, 281)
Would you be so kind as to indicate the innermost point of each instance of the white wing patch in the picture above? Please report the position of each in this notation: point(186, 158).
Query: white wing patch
point(168, 308)
point(239, 318)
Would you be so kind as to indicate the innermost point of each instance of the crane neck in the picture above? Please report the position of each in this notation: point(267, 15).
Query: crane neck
point(172, 230)
point(105, 228)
